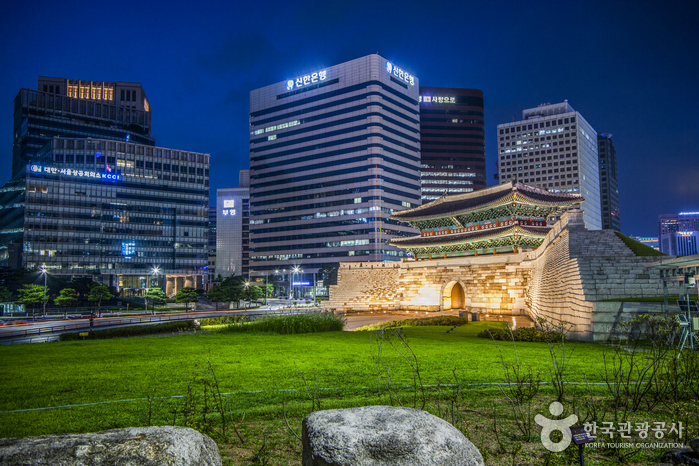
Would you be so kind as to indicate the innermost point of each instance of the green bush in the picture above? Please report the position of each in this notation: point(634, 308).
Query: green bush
point(124, 332)
point(225, 320)
point(521, 334)
point(289, 325)
point(438, 320)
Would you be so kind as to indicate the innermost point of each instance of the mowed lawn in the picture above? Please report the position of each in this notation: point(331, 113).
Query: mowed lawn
point(120, 375)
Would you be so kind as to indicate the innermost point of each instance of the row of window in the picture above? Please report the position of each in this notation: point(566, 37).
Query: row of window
point(546, 124)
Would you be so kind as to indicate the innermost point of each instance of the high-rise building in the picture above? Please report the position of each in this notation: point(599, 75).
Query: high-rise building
point(554, 148)
point(129, 215)
point(233, 229)
point(332, 154)
point(211, 244)
point(677, 232)
point(70, 108)
point(609, 183)
point(452, 138)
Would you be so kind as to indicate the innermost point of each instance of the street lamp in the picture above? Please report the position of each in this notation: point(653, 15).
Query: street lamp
point(46, 293)
point(155, 271)
point(295, 270)
point(247, 287)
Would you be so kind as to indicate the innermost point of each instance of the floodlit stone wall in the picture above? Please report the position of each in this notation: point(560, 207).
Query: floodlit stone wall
point(559, 281)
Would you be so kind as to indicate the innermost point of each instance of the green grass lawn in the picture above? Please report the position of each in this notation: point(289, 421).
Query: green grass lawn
point(144, 381)
point(74, 373)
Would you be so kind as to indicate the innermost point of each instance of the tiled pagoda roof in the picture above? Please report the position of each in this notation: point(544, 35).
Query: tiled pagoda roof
point(500, 195)
point(470, 237)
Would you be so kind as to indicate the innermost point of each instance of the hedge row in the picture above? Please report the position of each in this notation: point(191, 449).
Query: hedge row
point(438, 320)
point(132, 331)
point(521, 334)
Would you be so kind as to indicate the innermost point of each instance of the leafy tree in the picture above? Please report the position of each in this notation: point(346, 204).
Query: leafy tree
point(5, 295)
point(257, 292)
point(99, 292)
point(220, 294)
point(156, 296)
point(67, 297)
point(32, 294)
point(186, 295)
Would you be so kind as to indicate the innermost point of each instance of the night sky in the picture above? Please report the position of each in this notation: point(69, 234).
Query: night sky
point(630, 67)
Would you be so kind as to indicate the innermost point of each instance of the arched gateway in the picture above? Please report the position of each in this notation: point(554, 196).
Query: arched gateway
point(453, 296)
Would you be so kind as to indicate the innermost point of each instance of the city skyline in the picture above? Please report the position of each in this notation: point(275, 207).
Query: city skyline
point(628, 68)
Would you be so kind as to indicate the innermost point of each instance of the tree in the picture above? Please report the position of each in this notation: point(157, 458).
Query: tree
point(5, 295)
point(67, 297)
point(32, 294)
point(220, 294)
point(257, 292)
point(186, 295)
point(156, 296)
point(99, 292)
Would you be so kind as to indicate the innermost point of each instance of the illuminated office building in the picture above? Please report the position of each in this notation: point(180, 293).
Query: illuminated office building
point(678, 232)
point(333, 153)
point(452, 141)
point(129, 215)
point(554, 148)
point(69, 108)
point(233, 229)
point(609, 183)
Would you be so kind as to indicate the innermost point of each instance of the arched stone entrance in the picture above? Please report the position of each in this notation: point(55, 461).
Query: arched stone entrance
point(453, 296)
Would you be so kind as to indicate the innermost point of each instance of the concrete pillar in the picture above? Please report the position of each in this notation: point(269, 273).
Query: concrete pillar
point(198, 282)
point(179, 284)
point(188, 281)
point(169, 286)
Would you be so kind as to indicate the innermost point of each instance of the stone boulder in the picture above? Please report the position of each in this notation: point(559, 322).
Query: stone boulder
point(384, 435)
point(142, 446)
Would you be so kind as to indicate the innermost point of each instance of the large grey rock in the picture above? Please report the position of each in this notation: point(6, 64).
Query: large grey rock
point(384, 435)
point(136, 446)
point(694, 443)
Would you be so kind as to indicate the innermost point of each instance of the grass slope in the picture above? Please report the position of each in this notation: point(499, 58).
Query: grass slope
point(637, 247)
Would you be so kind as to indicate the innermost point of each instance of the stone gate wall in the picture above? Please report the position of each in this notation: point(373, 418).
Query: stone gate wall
point(559, 281)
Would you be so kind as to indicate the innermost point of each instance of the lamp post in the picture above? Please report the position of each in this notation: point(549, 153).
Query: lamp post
point(247, 288)
point(154, 271)
point(46, 293)
point(295, 270)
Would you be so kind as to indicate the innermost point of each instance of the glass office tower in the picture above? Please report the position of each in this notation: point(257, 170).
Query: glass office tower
point(452, 138)
point(332, 154)
point(129, 215)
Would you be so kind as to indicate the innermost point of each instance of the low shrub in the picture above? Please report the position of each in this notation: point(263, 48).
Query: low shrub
point(438, 320)
point(289, 325)
point(223, 320)
point(521, 334)
point(133, 331)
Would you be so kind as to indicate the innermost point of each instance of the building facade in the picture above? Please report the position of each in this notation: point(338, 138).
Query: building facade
point(677, 229)
point(233, 228)
point(609, 183)
point(554, 148)
point(68, 108)
point(332, 154)
point(452, 141)
point(212, 243)
point(129, 215)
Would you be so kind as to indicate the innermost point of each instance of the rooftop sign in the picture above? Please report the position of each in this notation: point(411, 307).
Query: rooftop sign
point(76, 173)
point(306, 80)
point(400, 73)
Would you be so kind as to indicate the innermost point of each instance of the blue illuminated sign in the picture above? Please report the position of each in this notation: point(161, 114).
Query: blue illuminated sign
point(128, 249)
point(306, 80)
point(400, 73)
point(301, 283)
point(107, 176)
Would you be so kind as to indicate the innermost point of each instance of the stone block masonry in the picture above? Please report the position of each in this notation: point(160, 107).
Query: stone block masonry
point(560, 281)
